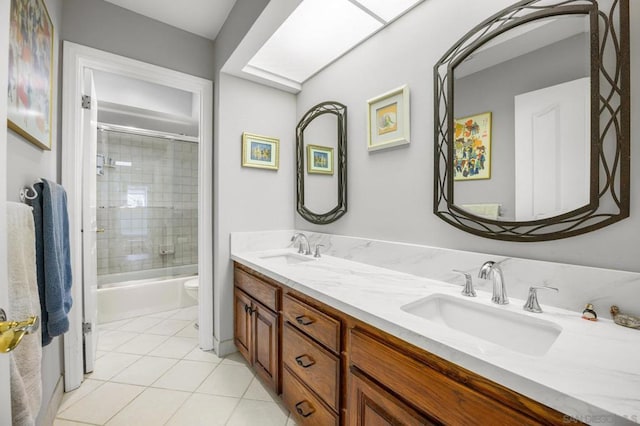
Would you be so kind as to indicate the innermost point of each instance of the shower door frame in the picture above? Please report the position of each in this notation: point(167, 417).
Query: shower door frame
point(76, 59)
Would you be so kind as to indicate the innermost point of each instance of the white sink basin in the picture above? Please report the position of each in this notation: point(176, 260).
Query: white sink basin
point(521, 333)
point(287, 258)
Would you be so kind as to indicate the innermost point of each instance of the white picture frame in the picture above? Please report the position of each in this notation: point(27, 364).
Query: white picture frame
point(389, 119)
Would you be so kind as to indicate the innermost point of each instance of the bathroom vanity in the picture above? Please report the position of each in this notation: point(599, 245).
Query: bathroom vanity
point(346, 342)
point(334, 366)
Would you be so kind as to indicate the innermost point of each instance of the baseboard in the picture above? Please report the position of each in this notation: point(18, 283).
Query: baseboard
point(48, 415)
point(225, 347)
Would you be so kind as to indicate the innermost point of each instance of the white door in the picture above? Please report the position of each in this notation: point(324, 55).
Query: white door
point(552, 150)
point(5, 392)
point(89, 223)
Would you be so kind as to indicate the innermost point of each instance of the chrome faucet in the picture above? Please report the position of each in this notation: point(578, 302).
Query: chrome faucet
point(295, 239)
point(491, 269)
point(468, 289)
point(532, 304)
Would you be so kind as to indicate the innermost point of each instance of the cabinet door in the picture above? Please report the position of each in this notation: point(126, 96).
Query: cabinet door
point(265, 340)
point(242, 324)
point(370, 405)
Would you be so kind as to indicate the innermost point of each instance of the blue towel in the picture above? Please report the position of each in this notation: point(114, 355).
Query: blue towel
point(53, 258)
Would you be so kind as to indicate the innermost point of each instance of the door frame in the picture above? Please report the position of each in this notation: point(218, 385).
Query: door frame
point(75, 59)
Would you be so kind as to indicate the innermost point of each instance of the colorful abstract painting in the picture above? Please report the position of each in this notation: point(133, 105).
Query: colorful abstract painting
point(472, 147)
point(30, 71)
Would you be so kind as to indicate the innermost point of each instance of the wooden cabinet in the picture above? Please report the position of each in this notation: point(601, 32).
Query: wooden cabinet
point(337, 370)
point(371, 405)
point(256, 324)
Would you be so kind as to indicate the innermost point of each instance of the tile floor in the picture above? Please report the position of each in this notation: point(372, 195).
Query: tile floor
point(150, 371)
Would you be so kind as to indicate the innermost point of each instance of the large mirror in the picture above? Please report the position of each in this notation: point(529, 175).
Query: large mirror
point(532, 122)
point(321, 145)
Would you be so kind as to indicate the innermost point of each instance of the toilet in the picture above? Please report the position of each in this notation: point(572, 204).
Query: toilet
point(191, 287)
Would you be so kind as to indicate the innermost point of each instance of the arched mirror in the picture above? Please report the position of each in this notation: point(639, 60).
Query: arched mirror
point(532, 122)
point(321, 144)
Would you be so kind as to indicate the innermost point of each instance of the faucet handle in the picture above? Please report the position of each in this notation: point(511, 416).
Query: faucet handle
point(317, 251)
point(532, 304)
point(468, 289)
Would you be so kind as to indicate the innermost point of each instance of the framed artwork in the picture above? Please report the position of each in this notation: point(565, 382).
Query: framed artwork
point(472, 147)
point(260, 151)
point(388, 119)
point(30, 72)
point(319, 160)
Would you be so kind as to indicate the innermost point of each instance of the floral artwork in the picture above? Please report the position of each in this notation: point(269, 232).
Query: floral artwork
point(472, 147)
point(30, 71)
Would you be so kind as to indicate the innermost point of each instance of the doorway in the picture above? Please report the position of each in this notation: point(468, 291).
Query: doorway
point(85, 157)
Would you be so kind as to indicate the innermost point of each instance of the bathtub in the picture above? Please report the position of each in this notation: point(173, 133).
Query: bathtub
point(128, 295)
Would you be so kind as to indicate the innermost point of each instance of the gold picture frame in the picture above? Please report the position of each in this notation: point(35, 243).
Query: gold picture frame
point(319, 160)
point(472, 147)
point(30, 85)
point(260, 151)
point(389, 119)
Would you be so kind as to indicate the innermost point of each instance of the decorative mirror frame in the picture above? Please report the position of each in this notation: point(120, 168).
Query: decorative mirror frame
point(340, 111)
point(610, 122)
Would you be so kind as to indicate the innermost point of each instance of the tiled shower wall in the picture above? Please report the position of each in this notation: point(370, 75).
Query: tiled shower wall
point(147, 203)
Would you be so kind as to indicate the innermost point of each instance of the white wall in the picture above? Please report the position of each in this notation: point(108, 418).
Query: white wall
point(248, 199)
point(241, 106)
point(104, 26)
point(391, 192)
point(25, 164)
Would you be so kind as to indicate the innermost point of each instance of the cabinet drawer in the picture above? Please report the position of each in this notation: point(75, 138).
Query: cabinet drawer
point(443, 398)
point(307, 408)
point(318, 368)
point(316, 324)
point(263, 292)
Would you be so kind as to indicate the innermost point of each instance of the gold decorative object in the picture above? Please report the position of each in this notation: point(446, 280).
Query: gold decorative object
point(625, 320)
point(12, 332)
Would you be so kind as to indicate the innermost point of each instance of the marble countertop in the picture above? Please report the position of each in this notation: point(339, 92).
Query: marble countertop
point(591, 372)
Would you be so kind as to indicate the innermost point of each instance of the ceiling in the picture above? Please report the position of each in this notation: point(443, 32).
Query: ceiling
point(201, 17)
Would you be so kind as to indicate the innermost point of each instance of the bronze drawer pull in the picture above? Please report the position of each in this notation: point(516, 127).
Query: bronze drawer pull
point(304, 320)
point(301, 361)
point(305, 409)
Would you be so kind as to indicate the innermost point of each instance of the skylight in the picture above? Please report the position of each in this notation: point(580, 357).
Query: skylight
point(320, 31)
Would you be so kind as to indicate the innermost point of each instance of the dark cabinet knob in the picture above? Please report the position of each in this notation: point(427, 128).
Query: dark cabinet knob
point(304, 408)
point(305, 361)
point(304, 320)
